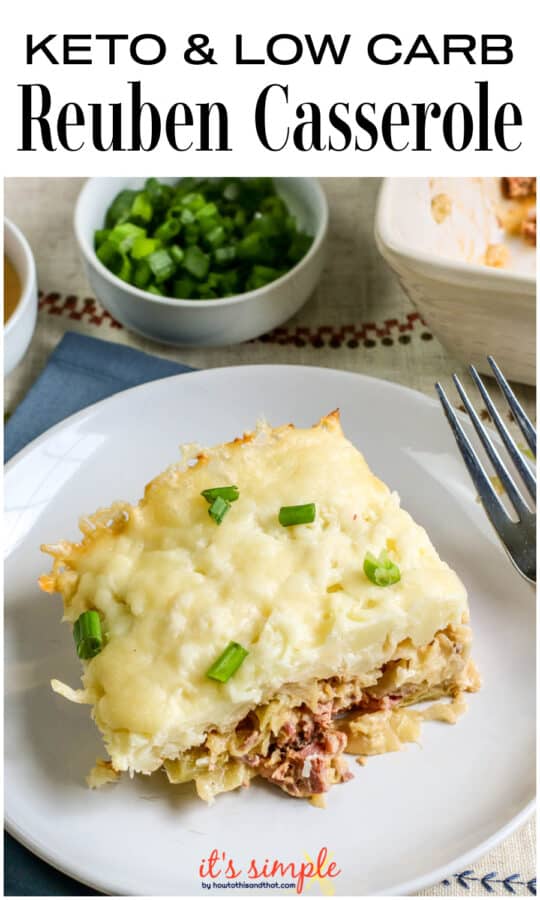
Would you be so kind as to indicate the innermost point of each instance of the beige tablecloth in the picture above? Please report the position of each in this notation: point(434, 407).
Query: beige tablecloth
point(359, 319)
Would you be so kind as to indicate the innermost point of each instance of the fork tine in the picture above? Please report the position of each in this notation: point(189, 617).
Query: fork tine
point(521, 417)
point(513, 450)
point(490, 501)
point(506, 479)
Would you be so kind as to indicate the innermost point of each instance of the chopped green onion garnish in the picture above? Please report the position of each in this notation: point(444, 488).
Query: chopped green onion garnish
point(141, 208)
point(87, 634)
point(143, 246)
point(109, 254)
point(120, 208)
point(100, 236)
point(115, 260)
point(159, 195)
point(261, 275)
point(228, 663)
point(230, 493)
point(297, 515)
point(142, 275)
point(187, 217)
point(193, 201)
point(218, 509)
point(183, 288)
point(225, 254)
point(124, 236)
point(381, 571)
point(196, 262)
point(177, 253)
point(208, 211)
point(167, 230)
point(251, 247)
point(223, 236)
point(162, 265)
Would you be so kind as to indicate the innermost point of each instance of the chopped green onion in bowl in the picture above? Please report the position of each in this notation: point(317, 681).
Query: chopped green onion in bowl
point(200, 239)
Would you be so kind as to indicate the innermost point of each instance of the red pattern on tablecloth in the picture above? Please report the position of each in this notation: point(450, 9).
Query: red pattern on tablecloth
point(367, 334)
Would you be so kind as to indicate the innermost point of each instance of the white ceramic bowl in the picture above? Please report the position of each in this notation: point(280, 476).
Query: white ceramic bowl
point(473, 309)
point(20, 327)
point(204, 322)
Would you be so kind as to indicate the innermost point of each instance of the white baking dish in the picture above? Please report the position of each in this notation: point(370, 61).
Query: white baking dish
point(473, 309)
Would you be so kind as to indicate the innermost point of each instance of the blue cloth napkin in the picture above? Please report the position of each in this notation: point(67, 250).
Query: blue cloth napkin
point(81, 371)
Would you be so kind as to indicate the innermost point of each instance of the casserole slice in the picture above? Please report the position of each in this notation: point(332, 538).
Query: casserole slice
point(265, 608)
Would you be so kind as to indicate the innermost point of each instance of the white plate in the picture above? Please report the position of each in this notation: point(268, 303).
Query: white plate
point(408, 818)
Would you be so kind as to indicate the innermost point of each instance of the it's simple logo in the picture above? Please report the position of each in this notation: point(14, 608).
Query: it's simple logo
point(218, 866)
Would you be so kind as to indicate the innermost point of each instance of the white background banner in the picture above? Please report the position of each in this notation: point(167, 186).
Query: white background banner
point(326, 118)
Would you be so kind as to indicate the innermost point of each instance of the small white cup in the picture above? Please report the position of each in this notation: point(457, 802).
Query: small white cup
point(20, 327)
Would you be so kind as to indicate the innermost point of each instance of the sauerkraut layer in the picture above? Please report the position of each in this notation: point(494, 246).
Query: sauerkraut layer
point(297, 740)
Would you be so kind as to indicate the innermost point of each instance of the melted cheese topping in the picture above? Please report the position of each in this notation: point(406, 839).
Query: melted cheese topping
point(174, 588)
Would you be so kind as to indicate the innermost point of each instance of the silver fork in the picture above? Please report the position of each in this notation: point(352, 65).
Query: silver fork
point(518, 537)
